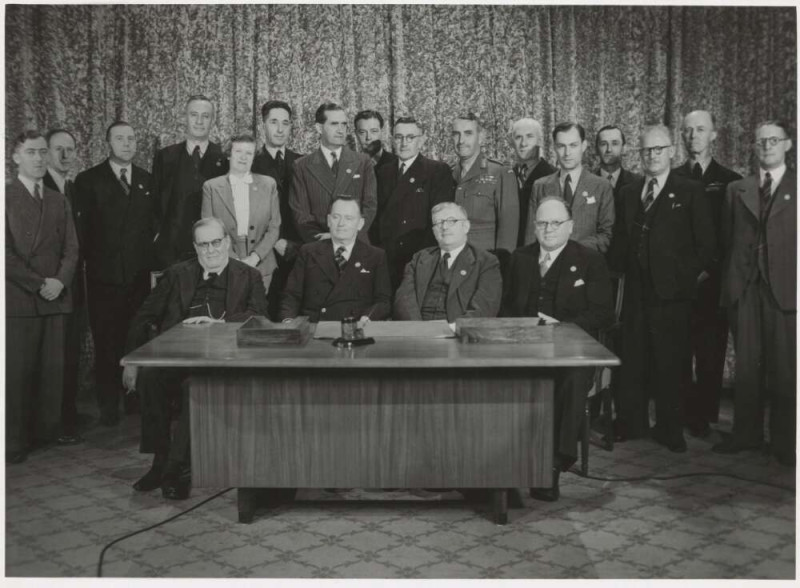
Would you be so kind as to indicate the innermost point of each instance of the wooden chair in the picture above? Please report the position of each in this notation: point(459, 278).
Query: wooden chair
point(607, 338)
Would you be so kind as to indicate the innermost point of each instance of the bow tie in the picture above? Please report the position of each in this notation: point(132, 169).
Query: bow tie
point(237, 181)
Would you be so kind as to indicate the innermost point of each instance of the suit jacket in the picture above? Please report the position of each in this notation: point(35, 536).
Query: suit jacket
point(682, 242)
point(38, 246)
point(403, 225)
point(78, 286)
point(592, 209)
point(116, 231)
point(264, 164)
point(168, 304)
point(165, 166)
point(583, 291)
point(474, 291)
point(264, 220)
point(387, 158)
point(625, 177)
point(315, 288)
point(740, 215)
point(314, 187)
point(542, 169)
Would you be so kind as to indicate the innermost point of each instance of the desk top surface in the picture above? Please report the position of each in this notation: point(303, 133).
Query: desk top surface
point(214, 345)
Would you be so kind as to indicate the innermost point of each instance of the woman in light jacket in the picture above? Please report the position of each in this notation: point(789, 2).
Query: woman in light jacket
point(248, 206)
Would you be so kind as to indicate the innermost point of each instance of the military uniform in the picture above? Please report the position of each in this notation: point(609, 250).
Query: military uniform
point(488, 192)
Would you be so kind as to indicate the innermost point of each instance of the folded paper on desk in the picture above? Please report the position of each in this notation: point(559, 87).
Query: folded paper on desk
point(259, 331)
point(503, 330)
point(389, 329)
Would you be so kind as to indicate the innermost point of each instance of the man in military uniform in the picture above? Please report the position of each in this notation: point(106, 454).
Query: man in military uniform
point(485, 188)
point(709, 321)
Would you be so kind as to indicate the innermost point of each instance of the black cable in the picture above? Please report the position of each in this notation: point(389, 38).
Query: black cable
point(172, 518)
point(689, 475)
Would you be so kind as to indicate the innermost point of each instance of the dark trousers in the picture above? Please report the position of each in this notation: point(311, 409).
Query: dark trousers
point(279, 278)
point(571, 387)
point(162, 393)
point(75, 325)
point(111, 308)
point(765, 338)
point(34, 379)
point(655, 352)
point(709, 326)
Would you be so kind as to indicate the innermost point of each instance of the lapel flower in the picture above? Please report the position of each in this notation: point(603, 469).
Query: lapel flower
point(358, 264)
point(347, 171)
point(411, 180)
point(573, 269)
point(585, 194)
point(219, 163)
point(463, 272)
point(141, 187)
point(671, 195)
point(787, 197)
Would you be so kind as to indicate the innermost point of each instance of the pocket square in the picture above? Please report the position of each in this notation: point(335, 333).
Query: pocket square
point(578, 282)
point(676, 205)
point(356, 176)
point(364, 271)
point(590, 200)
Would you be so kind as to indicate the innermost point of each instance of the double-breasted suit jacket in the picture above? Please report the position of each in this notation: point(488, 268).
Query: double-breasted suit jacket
point(314, 187)
point(488, 192)
point(77, 286)
point(592, 209)
point(475, 288)
point(40, 243)
point(318, 290)
point(264, 220)
point(403, 225)
point(264, 164)
point(542, 169)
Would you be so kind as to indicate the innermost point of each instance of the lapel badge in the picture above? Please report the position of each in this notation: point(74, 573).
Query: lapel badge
point(787, 197)
point(358, 264)
point(573, 269)
point(347, 171)
point(671, 195)
point(585, 194)
point(463, 272)
point(411, 180)
point(219, 163)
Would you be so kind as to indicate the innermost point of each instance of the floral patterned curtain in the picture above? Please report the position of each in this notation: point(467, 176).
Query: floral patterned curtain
point(84, 66)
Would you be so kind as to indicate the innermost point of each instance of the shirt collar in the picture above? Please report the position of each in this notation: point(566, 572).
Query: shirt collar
point(29, 184)
point(553, 254)
point(327, 153)
point(408, 162)
point(240, 180)
point(467, 165)
point(58, 178)
point(662, 180)
point(191, 144)
point(776, 174)
point(575, 174)
point(117, 167)
point(703, 165)
point(454, 253)
point(529, 166)
point(273, 151)
point(614, 175)
point(348, 249)
point(217, 271)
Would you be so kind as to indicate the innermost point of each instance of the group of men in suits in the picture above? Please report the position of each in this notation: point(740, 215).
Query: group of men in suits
point(371, 233)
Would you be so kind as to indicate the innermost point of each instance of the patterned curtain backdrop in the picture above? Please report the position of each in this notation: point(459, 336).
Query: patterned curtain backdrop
point(84, 66)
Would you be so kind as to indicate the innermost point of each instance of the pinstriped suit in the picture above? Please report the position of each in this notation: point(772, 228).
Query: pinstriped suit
point(592, 209)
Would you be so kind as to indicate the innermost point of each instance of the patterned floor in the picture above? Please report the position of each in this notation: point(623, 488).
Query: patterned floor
point(64, 504)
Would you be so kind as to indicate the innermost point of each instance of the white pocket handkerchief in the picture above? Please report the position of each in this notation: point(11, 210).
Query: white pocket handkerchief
point(590, 200)
point(364, 271)
point(579, 282)
point(356, 176)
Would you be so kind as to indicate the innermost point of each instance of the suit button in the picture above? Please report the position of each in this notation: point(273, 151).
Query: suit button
point(252, 240)
point(252, 228)
point(404, 222)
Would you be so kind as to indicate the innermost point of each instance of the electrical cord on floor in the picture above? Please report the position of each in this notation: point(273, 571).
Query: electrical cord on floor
point(677, 476)
point(172, 518)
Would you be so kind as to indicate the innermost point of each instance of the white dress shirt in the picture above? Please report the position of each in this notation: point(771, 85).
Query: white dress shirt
point(328, 153)
point(660, 181)
point(407, 163)
point(191, 144)
point(777, 176)
point(453, 254)
point(30, 185)
point(348, 249)
point(240, 186)
point(553, 255)
point(273, 152)
point(575, 176)
point(116, 168)
point(614, 176)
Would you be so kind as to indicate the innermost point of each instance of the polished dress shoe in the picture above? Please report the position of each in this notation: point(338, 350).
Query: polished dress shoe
point(550, 494)
point(676, 444)
point(731, 447)
point(176, 486)
point(699, 430)
point(16, 457)
point(154, 476)
point(70, 439)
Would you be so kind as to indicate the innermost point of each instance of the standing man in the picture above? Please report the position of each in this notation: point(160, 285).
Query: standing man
point(759, 289)
point(527, 138)
point(709, 320)
point(591, 199)
point(330, 172)
point(485, 188)
point(665, 245)
point(41, 254)
point(117, 227)
point(276, 161)
point(340, 276)
point(60, 161)
point(567, 282)
point(610, 144)
point(179, 172)
point(407, 191)
point(369, 133)
point(452, 279)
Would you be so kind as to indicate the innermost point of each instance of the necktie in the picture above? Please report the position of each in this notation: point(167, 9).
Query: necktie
point(697, 171)
point(650, 196)
point(339, 258)
point(765, 194)
point(544, 265)
point(279, 164)
point(196, 157)
point(611, 178)
point(446, 261)
point(334, 164)
point(568, 189)
point(522, 170)
point(37, 194)
point(123, 179)
point(68, 189)
point(402, 168)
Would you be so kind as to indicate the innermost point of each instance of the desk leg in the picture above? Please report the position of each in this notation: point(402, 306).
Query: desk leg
point(500, 505)
point(247, 501)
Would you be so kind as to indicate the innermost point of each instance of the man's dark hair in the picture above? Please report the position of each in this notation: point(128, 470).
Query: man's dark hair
point(322, 112)
point(782, 124)
point(270, 104)
point(368, 114)
point(345, 199)
point(470, 116)
point(609, 128)
point(53, 132)
point(20, 139)
point(408, 120)
point(568, 126)
point(200, 98)
point(114, 125)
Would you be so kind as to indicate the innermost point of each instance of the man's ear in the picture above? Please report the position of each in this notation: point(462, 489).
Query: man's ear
point(361, 223)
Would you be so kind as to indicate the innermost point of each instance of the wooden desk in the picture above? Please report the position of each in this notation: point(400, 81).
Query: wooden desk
point(403, 413)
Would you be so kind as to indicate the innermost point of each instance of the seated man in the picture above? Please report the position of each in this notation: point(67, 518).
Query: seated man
point(451, 280)
point(211, 288)
point(560, 280)
point(341, 277)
